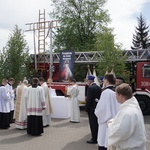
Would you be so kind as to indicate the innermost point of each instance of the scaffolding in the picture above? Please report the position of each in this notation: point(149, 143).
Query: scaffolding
point(97, 56)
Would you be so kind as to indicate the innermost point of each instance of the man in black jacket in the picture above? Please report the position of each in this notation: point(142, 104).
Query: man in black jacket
point(93, 95)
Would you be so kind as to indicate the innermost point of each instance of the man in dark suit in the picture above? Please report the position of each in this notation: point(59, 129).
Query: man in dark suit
point(93, 95)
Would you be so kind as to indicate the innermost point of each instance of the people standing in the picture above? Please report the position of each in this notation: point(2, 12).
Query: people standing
point(93, 94)
point(4, 106)
point(35, 105)
point(9, 87)
point(73, 91)
point(106, 109)
point(48, 110)
point(21, 106)
point(119, 80)
point(127, 130)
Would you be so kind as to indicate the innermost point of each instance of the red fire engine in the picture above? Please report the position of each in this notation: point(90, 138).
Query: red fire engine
point(45, 63)
point(140, 72)
point(141, 86)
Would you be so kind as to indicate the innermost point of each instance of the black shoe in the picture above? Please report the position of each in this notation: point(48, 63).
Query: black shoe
point(74, 122)
point(46, 125)
point(91, 142)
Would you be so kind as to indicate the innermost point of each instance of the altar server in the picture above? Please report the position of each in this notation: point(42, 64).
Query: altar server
point(73, 91)
point(9, 87)
point(106, 109)
point(127, 130)
point(4, 106)
point(21, 106)
point(48, 110)
point(35, 105)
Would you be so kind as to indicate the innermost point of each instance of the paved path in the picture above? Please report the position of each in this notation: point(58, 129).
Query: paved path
point(61, 135)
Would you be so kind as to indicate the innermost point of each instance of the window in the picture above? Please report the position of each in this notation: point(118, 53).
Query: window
point(146, 71)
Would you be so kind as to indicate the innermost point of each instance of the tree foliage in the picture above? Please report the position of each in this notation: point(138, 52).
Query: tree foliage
point(79, 21)
point(83, 27)
point(141, 39)
point(112, 58)
point(15, 58)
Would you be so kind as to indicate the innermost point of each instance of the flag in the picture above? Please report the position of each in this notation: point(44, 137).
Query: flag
point(112, 72)
point(95, 79)
point(88, 72)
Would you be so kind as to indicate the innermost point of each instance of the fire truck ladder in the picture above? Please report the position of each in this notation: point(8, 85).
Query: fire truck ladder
point(96, 56)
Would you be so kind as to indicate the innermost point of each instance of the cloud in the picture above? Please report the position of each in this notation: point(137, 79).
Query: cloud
point(124, 15)
point(18, 12)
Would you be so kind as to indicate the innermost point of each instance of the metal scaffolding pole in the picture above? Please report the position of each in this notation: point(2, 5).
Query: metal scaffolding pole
point(51, 53)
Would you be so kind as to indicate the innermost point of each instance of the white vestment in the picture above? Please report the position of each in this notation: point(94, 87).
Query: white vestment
point(21, 107)
point(127, 130)
point(35, 101)
point(46, 112)
point(12, 96)
point(73, 91)
point(106, 109)
point(4, 100)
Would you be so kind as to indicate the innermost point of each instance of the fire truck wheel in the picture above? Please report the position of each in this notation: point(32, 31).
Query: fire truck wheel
point(144, 103)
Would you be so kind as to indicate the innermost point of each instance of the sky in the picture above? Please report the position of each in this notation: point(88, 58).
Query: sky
point(123, 14)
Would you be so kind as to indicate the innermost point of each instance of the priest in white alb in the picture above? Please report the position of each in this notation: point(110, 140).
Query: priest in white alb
point(73, 91)
point(48, 110)
point(21, 106)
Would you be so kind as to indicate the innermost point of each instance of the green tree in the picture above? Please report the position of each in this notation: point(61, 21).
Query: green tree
point(79, 21)
point(83, 27)
point(1, 64)
point(112, 59)
point(141, 39)
point(15, 58)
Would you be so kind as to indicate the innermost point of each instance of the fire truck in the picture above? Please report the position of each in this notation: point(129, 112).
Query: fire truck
point(140, 76)
point(140, 72)
point(142, 90)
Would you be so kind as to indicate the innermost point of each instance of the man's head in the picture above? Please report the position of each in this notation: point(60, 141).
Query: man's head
point(119, 80)
point(25, 82)
point(109, 79)
point(123, 92)
point(50, 80)
point(35, 80)
point(11, 81)
point(41, 80)
point(90, 79)
point(4, 81)
point(72, 81)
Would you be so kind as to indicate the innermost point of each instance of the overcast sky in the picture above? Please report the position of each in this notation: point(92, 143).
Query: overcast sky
point(123, 13)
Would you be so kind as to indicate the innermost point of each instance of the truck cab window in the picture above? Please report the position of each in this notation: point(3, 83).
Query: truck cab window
point(146, 71)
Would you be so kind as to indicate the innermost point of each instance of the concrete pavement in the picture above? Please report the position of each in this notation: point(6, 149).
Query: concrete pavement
point(61, 135)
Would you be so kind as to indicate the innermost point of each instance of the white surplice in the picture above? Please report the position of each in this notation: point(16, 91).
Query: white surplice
point(47, 111)
point(73, 91)
point(106, 109)
point(12, 96)
point(4, 100)
point(127, 130)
